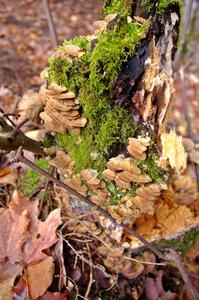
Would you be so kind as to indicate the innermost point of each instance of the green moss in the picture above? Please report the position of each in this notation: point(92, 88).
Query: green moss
point(112, 50)
point(117, 6)
point(162, 5)
point(58, 69)
point(182, 244)
point(93, 76)
point(150, 166)
point(115, 193)
point(78, 147)
point(132, 190)
point(29, 180)
point(66, 73)
point(116, 127)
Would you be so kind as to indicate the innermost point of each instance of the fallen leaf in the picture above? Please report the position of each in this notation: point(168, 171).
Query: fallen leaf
point(29, 107)
point(23, 236)
point(20, 290)
point(46, 237)
point(8, 176)
point(39, 277)
point(16, 224)
point(54, 296)
point(6, 289)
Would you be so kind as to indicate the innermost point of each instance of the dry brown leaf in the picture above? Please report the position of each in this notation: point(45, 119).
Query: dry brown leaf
point(8, 176)
point(20, 290)
point(39, 277)
point(17, 224)
point(29, 106)
point(6, 289)
point(46, 237)
point(23, 236)
point(194, 156)
point(54, 296)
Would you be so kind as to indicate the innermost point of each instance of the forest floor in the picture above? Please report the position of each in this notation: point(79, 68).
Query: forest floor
point(26, 44)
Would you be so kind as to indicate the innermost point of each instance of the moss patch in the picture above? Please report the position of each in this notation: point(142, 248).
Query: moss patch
point(116, 127)
point(78, 147)
point(150, 166)
point(163, 4)
point(115, 193)
point(61, 70)
point(28, 182)
point(182, 244)
point(117, 6)
point(92, 76)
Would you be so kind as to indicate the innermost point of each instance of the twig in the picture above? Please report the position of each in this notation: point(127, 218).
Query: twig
point(18, 127)
point(8, 142)
point(45, 189)
point(81, 257)
point(187, 118)
point(18, 156)
point(123, 256)
point(187, 10)
point(191, 292)
point(91, 273)
point(50, 22)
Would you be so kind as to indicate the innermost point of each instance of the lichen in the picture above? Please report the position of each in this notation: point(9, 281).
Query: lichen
point(29, 180)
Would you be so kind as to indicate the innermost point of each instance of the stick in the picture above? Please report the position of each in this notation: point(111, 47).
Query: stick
point(50, 22)
point(186, 115)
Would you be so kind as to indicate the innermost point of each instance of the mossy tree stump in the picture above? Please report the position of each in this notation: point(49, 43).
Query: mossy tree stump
point(107, 97)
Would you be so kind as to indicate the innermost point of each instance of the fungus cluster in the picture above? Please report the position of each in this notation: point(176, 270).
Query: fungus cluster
point(61, 110)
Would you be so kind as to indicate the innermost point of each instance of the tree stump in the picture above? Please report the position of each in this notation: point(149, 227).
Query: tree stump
point(107, 98)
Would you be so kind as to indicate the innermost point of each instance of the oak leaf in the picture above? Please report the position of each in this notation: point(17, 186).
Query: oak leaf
point(46, 237)
point(23, 236)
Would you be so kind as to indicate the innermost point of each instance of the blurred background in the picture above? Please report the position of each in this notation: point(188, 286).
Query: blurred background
point(26, 41)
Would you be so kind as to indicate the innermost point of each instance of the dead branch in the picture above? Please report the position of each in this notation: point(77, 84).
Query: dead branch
point(50, 22)
point(11, 138)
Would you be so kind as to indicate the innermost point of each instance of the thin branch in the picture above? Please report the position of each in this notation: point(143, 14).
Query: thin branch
point(185, 28)
point(91, 273)
point(191, 292)
point(50, 22)
point(186, 114)
point(11, 138)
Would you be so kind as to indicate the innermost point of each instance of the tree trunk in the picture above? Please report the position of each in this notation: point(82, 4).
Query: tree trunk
point(107, 97)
